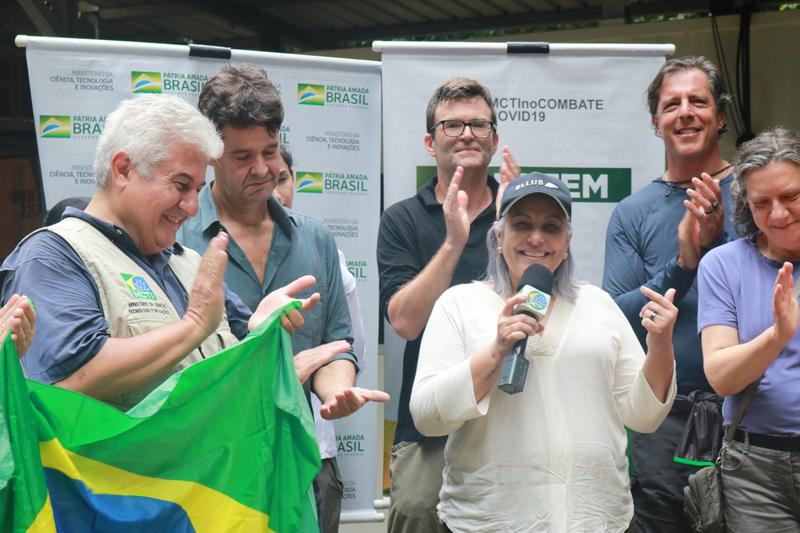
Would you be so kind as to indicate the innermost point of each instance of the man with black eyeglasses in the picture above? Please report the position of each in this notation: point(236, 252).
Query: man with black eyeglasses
point(426, 244)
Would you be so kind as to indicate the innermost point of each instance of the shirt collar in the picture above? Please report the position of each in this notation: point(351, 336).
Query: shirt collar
point(285, 218)
point(120, 237)
point(427, 193)
point(208, 218)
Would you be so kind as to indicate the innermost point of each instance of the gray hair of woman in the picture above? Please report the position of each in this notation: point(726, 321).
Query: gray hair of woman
point(771, 146)
point(564, 285)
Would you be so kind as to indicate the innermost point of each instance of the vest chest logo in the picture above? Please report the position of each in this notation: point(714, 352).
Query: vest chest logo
point(138, 287)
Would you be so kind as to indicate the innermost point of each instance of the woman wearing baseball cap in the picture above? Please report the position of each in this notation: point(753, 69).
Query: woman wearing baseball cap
point(551, 457)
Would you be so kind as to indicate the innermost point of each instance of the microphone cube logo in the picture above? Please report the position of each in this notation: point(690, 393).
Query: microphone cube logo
point(538, 300)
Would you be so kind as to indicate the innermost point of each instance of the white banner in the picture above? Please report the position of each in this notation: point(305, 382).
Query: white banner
point(574, 111)
point(578, 113)
point(332, 126)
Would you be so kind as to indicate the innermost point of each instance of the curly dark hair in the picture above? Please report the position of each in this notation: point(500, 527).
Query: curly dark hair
point(242, 96)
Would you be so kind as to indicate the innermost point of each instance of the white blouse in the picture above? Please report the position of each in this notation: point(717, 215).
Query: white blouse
point(551, 458)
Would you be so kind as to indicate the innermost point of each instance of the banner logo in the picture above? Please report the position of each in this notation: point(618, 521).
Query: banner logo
point(138, 287)
point(310, 94)
point(348, 184)
point(145, 82)
point(55, 126)
point(309, 182)
point(183, 83)
point(333, 95)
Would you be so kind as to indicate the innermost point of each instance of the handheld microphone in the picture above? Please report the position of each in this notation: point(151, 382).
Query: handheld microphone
point(537, 283)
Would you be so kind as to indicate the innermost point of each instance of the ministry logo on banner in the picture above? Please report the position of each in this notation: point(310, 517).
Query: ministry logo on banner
point(151, 82)
point(310, 94)
point(71, 126)
point(145, 82)
point(340, 183)
point(309, 182)
point(55, 126)
point(333, 95)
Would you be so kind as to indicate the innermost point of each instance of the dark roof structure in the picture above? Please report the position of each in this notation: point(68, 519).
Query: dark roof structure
point(305, 25)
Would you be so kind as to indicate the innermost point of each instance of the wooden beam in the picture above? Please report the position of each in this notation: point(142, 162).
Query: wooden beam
point(239, 14)
point(518, 20)
point(142, 11)
point(45, 20)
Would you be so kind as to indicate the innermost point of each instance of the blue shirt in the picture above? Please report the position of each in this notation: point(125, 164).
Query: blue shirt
point(70, 325)
point(736, 285)
point(642, 249)
point(300, 246)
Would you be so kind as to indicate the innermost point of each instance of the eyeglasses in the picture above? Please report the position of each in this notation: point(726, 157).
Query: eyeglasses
point(453, 128)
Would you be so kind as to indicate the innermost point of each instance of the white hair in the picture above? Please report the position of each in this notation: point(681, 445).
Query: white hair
point(147, 127)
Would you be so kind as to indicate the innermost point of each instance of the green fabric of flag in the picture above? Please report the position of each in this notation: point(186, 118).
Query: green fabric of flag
point(23, 492)
point(226, 444)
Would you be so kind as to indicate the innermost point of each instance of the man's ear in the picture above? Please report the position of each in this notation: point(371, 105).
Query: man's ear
point(121, 168)
point(654, 122)
point(721, 120)
point(428, 139)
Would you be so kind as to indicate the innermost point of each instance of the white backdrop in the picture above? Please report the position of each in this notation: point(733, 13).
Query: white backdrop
point(332, 125)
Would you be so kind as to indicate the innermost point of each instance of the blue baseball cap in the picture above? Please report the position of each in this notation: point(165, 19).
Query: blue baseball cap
point(537, 183)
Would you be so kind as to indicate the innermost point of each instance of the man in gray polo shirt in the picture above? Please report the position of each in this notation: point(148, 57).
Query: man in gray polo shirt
point(268, 243)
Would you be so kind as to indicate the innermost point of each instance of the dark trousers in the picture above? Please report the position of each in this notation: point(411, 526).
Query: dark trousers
point(328, 490)
point(761, 489)
point(657, 482)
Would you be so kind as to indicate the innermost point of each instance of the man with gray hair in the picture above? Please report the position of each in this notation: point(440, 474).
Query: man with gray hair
point(120, 306)
point(655, 238)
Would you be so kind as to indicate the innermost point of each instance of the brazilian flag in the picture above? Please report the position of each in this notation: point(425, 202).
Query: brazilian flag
point(225, 445)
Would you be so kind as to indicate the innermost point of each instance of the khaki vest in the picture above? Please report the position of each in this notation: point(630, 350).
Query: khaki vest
point(133, 303)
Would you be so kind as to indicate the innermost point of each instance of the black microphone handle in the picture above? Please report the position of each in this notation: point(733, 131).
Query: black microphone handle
point(514, 369)
point(519, 347)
